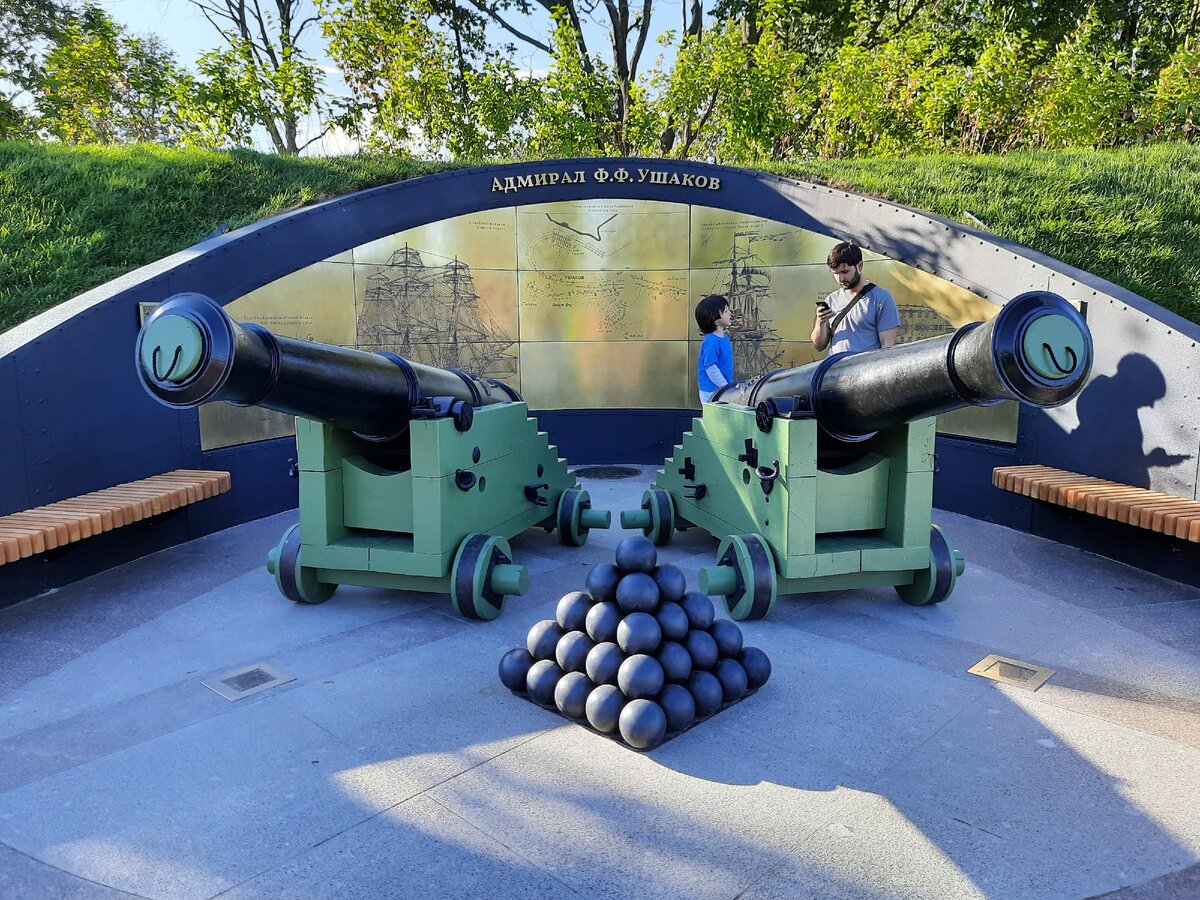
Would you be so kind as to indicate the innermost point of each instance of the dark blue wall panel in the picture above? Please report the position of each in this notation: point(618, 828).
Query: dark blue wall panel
point(588, 436)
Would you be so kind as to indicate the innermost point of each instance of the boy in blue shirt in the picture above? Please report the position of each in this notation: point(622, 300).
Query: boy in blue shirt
point(715, 367)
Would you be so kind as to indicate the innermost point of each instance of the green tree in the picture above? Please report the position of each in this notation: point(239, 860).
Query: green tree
point(100, 85)
point(446, 67)
point(419, 86)
point(1088, 95)
point(729, 99)
point(1175, 103)
point(261, 77)
point(28, 27)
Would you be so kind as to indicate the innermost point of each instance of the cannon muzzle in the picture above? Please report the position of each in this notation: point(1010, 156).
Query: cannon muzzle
point(1037, 350)
point(191, 352)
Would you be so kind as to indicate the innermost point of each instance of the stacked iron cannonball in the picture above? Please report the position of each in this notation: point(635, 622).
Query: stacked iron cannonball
point(635, 655)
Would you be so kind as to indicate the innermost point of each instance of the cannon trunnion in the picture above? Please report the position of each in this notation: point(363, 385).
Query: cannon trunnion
point(411, 477)
point(821, 477)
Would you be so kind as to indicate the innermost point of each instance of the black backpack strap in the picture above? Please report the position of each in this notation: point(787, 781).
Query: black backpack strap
point(837, 320)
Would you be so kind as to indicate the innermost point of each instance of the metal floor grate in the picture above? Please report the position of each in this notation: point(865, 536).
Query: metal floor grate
point(607, 473)
point(1012, 671)
point(245, 681)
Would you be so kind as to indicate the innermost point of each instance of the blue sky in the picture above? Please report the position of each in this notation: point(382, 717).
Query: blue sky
point(177, 22)
point(185, 31)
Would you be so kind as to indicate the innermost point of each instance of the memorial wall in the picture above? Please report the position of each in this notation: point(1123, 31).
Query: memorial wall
point(586, 304)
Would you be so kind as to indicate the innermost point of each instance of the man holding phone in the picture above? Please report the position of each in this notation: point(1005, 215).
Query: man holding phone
point(859, 315)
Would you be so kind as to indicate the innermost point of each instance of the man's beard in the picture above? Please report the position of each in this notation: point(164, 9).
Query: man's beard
point(857, 278)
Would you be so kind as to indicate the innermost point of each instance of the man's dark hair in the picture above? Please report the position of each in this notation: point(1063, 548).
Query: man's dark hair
point(708, 311)
point(845, 252)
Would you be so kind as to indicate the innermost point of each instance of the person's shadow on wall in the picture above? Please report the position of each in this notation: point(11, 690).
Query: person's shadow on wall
point(1108, 442)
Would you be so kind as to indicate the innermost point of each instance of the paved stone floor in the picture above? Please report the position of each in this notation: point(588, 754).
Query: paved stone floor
point(396, 765)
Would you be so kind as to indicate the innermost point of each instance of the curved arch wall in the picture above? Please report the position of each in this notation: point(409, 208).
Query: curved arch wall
point(75, 418)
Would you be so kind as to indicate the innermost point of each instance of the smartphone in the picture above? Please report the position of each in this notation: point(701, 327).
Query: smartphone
point(822, 306)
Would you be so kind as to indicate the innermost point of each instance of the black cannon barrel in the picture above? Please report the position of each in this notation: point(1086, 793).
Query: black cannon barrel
point(191, 352)
point(1037, 350)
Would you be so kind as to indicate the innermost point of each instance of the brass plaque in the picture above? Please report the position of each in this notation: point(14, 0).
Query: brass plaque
point(773, 310)
point(693, 388)
point(604, 306)
point(605, 374)
point(586, 304)
point(913, 287)
point(488, 360)
point(412, 302)
point(484, 240)
point(313, 304)
point(223, 425)
point(920, 322)
point(602, 235)
point(723, 239)
point(991, 423)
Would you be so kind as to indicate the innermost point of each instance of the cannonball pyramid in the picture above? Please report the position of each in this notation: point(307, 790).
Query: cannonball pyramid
point(635, 656)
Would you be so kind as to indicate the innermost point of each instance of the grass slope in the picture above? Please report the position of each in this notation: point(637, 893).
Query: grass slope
point(73, 218)
point(1130, 215)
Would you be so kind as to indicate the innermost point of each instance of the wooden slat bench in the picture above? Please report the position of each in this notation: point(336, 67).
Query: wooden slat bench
point(1144, 508)
point(47, 527)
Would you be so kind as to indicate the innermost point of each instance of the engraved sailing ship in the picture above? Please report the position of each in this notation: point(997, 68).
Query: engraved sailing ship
point(433, 314)
point(747, 283)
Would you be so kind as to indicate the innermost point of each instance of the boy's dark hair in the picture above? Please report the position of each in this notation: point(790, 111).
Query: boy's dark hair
point(708, 311)
point(845, 252)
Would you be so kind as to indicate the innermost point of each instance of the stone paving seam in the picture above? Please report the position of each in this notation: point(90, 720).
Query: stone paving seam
point(415, 795)
point(800, 844)
point(299, 853)
point(73, 876)
point(1042, 701)
point(967, 706)
point(491, 837)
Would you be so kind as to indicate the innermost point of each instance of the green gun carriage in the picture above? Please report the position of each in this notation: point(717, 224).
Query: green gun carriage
point(820, 477)
point(412, 477)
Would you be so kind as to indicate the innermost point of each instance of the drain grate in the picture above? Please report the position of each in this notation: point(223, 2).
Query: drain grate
point(1012, 671)
point(607, 473)
point(244, 681)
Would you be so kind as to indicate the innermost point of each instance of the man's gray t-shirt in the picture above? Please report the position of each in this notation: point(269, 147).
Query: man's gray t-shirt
point(859, 330)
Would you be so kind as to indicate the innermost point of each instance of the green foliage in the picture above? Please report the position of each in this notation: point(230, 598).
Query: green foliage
point(1175, 106)
point(992, 114)
point(1130, 215)
point(234, 92)
point(416, 87)
point(259, 78)
point(27, 26)
point(73, 218)
point(744, 82)
point(1087, 95)
point(99, 85)
point(895, 99)
point(575, 113)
